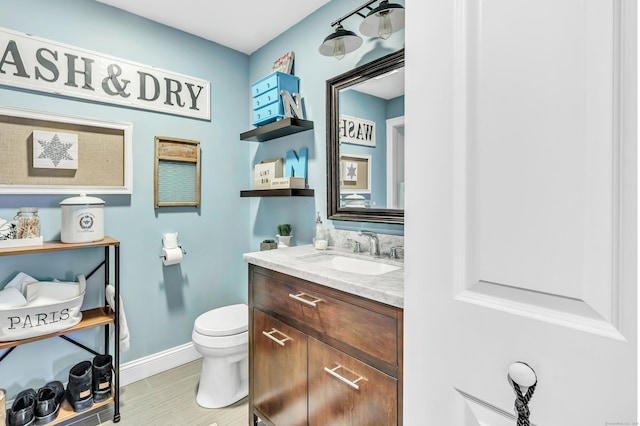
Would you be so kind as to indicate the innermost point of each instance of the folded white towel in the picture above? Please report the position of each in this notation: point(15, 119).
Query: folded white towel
point(11, 297)
point(20, 279)
point(124, 329)
point(48, 293)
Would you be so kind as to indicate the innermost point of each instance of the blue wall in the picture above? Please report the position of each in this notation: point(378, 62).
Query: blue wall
point(162, 302)
point(314, 70)
point(367, 107)
point(395, 107)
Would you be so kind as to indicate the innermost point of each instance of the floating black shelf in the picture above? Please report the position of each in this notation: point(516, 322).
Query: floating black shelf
point(291, 192)
point(277, 129)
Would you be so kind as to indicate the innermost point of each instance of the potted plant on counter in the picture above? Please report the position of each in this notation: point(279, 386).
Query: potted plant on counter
point(284, 235)
point(268, 245)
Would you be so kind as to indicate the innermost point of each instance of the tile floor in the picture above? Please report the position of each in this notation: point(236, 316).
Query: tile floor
point(166, 399)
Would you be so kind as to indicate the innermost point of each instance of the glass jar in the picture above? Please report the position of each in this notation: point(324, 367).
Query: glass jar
point(321, 240)
point(28, 225)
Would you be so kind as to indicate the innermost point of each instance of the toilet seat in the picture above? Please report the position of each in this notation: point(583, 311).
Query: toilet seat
point(225, 321)
point(221, 336)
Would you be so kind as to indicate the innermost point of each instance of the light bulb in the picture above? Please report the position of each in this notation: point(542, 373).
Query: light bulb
point(339, 49)
point(385, 28)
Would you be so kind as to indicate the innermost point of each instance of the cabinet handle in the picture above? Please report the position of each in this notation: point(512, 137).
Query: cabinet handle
point(278, 341)
point(299, 298)
point(353, 384)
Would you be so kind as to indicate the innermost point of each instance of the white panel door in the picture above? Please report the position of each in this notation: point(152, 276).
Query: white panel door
point(521, 210)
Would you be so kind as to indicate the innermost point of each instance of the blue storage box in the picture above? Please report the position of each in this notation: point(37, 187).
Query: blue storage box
point(267, 102)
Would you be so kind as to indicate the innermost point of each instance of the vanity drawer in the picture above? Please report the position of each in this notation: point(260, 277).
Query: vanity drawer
point(347, 391)
point(356, 322)
point(266, 98)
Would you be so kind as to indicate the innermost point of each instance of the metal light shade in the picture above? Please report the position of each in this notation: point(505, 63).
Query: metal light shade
point(340, 43)
point(385, 19)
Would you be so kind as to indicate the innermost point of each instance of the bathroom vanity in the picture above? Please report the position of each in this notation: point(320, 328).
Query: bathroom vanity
point(325, 343)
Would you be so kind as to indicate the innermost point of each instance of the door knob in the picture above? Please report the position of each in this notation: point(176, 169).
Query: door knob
point(522, 375)
point(524, 380)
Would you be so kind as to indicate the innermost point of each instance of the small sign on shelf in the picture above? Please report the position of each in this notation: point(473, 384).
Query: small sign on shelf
point(265, 171)
point(288, 183)
point(284, 63)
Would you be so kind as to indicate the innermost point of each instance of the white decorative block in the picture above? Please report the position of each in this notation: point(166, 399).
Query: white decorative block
point(55, 150)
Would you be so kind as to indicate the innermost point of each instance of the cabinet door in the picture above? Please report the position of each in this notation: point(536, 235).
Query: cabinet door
point(345, 391)
point(279, 371)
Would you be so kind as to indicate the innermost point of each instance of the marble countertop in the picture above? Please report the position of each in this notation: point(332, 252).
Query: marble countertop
point(386, 288)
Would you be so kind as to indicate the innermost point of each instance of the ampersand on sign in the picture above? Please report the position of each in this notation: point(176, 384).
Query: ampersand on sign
point(119, 87)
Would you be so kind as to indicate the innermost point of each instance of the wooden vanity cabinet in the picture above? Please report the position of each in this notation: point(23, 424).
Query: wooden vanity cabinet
point(280, 372)
point(319, 356)
point(368, 397)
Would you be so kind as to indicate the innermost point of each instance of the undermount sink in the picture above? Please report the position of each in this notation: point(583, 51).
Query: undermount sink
point(355, 265)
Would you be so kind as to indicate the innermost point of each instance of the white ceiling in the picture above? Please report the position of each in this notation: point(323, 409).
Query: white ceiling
point(387, 86)
point(243, 25)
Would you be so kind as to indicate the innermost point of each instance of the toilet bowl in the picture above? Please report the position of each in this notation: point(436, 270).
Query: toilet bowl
point(222, 338)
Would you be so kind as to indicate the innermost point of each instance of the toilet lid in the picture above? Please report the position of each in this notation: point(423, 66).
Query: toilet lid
point(224, 321)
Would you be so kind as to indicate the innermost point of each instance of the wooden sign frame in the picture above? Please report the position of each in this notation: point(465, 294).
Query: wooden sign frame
point(177, 172)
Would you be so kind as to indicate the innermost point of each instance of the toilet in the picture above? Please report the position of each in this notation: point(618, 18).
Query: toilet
point(221, 336)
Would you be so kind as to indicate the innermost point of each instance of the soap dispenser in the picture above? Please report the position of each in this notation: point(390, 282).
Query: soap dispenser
point(321, 240)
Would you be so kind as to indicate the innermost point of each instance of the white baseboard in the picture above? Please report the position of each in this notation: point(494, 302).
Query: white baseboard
point(147, 366)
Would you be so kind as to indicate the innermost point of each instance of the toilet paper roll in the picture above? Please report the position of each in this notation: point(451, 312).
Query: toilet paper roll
point(170, 240)
point(171, 256)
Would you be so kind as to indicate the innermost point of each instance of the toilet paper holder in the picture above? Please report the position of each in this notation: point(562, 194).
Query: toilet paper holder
point(180, 247)
point(170, 241)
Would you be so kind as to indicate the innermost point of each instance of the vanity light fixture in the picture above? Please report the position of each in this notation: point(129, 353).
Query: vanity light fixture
point(381, 21)
point(339, 43)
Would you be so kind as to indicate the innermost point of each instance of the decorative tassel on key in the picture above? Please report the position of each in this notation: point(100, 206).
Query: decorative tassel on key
point(521, 376)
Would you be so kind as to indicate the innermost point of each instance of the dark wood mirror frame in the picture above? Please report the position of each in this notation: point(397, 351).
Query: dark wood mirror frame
point(334, 211)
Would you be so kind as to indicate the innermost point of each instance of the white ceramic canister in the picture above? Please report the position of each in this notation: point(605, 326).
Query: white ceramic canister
point(82, 219)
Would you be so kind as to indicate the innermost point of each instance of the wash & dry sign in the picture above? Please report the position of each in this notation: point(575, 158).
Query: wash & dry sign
point(46, 66)
point(357, 131)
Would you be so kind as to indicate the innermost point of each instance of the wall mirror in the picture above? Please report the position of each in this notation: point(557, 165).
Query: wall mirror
point(365, 142)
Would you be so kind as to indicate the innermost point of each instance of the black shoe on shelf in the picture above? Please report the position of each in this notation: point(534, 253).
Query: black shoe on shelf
point(22, 411)
point(102, 373)
point(79, 392)
point(48, 400)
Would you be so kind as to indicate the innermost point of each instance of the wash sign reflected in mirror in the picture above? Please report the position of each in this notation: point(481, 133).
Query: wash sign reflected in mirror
point(371, 136)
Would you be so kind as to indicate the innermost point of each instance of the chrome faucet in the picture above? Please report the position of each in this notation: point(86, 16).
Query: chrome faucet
point(374, 246)
point(393, 252)
point(356, 245)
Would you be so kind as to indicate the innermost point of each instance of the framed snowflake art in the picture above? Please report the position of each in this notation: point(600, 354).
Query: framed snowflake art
point(55, 150)
point(49, 153)
point(355, 175)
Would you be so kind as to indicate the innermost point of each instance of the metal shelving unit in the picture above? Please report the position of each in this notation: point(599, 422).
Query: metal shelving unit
point(101, 316)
